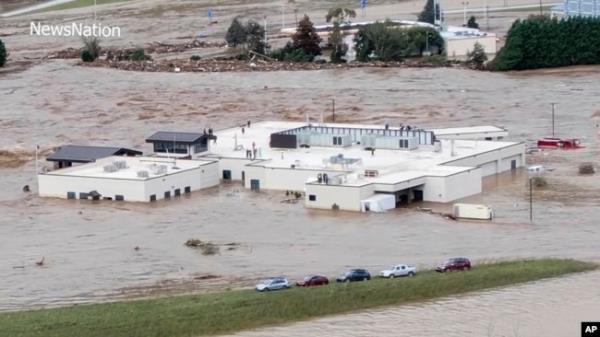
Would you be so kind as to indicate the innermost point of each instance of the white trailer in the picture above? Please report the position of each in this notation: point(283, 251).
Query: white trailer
point(472, 211)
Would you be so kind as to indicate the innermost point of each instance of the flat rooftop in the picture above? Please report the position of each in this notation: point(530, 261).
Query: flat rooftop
point(392, 165)
point(154, 166)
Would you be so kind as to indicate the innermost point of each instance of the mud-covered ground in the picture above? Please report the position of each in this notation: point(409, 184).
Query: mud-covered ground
point(89, 248)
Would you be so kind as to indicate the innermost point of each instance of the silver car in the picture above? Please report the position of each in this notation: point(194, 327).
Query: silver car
point(275, 283)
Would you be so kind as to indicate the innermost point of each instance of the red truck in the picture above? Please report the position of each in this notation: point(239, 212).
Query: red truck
point(559, 143)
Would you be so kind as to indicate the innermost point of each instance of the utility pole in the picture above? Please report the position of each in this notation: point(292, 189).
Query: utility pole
point(540, 7)
point(296, 16)
point(553, 104)
point(465, 4)
point(94, 11)
point(265, 37)
point(282, 14)
point(530, 199)
point(333, 108)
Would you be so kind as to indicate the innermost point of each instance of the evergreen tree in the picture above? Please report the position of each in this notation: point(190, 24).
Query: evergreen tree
point(236, 33)
point(2, 54)
point(306, 37)
point(255, 38)
point(472, 22)
point(477, 57)
point(427, 14)
point(336, 40)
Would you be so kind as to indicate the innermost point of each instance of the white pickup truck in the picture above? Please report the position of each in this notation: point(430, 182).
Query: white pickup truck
point(399, 270)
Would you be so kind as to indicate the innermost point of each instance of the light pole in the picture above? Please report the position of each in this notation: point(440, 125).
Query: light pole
point(282, 14)
point(265, 37)
point(540, 7)
point(465, 4)
point(94, 10)
point(333, 108)
point(553, 104)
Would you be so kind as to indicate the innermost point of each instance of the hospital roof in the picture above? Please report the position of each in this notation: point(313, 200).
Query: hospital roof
point(86, 154)
point(179, 137)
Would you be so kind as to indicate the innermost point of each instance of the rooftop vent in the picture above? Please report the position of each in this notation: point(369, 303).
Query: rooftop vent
point(143, 174)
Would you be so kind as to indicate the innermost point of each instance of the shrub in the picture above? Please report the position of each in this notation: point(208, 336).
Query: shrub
point(586, 168)
point(236, 33)
point(91, 49)
point(290, 54)
point(2, 54)
point(195, 58)
point(438, 60)
point(427, 14)
point(477, 57)
point(472, 22)
point(539, 182)
point(306, 38)
point(139, 55)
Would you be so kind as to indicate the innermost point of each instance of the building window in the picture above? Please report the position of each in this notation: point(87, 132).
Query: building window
point(312, 197)
point(177, 192)
point(168, 195)
point(153, 197)
point(170, 147)
point(83, 195)
point(199, 148)
point(71, 195)
point(119, 197)
point(187, 189)
point(226, 175)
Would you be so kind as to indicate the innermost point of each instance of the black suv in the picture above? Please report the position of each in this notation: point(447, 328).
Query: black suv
point(354, 275)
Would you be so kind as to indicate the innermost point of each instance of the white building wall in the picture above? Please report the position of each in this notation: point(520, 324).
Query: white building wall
point(500, 159)
point(457, 186)
point(235, 165)
point(59, 185)
point(460, 48)
point(346, 197)
point(283, 178)
point(197, 179)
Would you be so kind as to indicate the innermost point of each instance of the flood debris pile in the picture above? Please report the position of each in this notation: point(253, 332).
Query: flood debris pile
point(209, 248)
point(586, 168)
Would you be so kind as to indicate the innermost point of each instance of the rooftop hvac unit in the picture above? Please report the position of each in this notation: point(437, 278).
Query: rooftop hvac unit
point(437, 146)
point(159, 169)
point(120, 164)
point(143, 174)
point(110, 168)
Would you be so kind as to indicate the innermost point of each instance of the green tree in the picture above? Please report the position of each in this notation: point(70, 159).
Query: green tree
point(2, 54)
point(428, 14)
point(306, 37)
point(338, 47)
point(236, 33)
point(91, 49)
point(255, 38)
point(477, 57)
point(472, 22)
point(340, 14)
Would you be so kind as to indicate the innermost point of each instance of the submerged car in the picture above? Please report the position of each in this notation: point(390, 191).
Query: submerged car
point(275, 283)
point(354, 275)
point(457, 263)
point(399, 270)
point(313, 280)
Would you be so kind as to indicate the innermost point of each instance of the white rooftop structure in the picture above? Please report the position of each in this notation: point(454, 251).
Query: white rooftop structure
point(250, 157)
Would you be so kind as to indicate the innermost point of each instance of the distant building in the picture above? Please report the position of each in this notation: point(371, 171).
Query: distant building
point(180, 144)
point(577, 8)
point(67, 155)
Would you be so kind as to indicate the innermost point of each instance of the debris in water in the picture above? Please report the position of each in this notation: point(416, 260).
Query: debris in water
point(40, 262)
point(208, 248)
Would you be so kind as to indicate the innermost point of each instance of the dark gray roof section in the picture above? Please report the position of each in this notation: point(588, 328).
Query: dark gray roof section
point(88, 154)
point(178, 137)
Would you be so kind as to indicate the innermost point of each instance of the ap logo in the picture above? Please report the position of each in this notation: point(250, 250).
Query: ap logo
point(590, 329)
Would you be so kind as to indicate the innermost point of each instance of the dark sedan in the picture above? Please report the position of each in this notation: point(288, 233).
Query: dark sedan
point(314, 280)
point(457, 263)
point(354, 275)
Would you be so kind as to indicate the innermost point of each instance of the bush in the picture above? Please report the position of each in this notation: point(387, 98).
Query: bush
point(139, 55)
point(539, 182)
point(541, 42)
point(290, 54)
point(236, 33)
point(477, 57)
point(306, 38)
point(586, 168)
point(472, 23)
point(91, 49)
point(438, 60)
point(195, 58)
point(2, 54)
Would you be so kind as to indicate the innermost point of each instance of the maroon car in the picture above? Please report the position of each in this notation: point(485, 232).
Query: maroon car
point(314, 280)
point(457, 263)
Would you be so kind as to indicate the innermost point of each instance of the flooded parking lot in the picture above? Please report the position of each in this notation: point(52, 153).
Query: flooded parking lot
point(89, 247)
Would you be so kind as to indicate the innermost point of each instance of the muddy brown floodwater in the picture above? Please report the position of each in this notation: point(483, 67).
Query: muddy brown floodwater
point(89, 247)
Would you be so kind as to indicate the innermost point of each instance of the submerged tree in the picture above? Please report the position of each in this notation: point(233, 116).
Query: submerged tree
point(477, 57)
point(255, 38)
point(91, 49)
point(306, 37)
point(2, 54)
point(340, 14)
point(472, 22)
point(427, 14)
point(338, 46)
point(236, 33)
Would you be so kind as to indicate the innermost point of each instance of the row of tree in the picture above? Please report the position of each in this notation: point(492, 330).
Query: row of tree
point(542, 42)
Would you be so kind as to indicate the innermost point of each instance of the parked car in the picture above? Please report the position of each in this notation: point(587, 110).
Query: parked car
point(354, 275)
point(457, 263)
point(275, 283)
point(399, 270)
point(313, 280)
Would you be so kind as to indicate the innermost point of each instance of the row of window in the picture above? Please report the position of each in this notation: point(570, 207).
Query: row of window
point(120, 197)
point(337, 141)
point(176, 193)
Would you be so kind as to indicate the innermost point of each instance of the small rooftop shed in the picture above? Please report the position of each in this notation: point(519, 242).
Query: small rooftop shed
point(66, 155)
point(180, 144)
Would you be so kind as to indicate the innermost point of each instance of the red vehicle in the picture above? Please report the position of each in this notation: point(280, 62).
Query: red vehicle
point(314, 280)
point(559, 143)
point(457, 263)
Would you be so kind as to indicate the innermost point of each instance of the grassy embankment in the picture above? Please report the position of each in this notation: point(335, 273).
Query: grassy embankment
point(217, 313)
point(78, 4)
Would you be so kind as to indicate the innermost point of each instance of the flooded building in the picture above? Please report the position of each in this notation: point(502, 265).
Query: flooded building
point(68, 155)
point(140, 179)
point(349, 167)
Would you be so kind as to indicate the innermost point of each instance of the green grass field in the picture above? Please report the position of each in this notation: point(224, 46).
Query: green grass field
point(225, 312)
